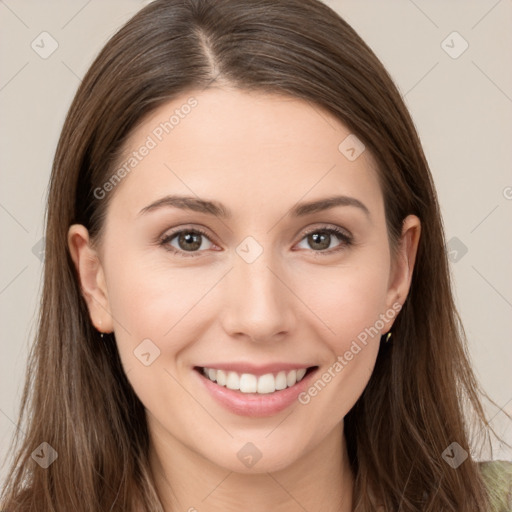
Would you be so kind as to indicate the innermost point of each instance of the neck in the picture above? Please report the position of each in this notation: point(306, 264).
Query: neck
point(321, 480)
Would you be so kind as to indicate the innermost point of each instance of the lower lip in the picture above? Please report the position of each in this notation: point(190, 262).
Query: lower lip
point(255, 404)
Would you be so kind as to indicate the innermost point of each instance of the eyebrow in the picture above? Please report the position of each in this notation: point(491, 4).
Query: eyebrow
point(219, 210)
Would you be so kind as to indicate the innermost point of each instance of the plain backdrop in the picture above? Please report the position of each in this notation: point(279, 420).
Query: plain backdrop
point(451, 62)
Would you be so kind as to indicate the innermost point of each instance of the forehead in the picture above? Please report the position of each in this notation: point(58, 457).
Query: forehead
point(245, 149)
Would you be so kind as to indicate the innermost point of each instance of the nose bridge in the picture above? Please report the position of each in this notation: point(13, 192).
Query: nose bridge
point(258, 303)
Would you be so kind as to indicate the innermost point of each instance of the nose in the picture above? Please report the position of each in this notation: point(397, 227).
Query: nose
point(258, 301)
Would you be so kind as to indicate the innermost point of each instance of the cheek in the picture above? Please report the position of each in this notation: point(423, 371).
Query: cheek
point(352, 305)
point(154, 302)
point(151, 294)
point(158, 301)
point(153, 309)
point(348, 300)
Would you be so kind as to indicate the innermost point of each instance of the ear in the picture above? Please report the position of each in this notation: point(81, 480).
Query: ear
point(91, 276)
point(403, 264)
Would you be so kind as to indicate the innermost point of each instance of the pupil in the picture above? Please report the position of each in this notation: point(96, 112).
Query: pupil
point(188, 238)
point(316, 237)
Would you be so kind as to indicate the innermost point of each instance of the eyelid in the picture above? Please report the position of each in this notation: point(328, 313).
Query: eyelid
point(342, 233)
point(167, 236)
point(346, 239)
point(327, 227)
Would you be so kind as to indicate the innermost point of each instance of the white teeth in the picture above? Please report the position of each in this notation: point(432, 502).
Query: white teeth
point(300, 374)
point(233, 381)
point(221, 377)
point(281, 381)
point(266, 383)
point(291, 378)
point(249, 383)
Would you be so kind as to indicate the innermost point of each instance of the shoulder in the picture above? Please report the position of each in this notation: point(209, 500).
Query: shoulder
point(497, 475)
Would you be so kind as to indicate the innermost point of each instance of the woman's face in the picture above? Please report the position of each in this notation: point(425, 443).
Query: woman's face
point(244, 275)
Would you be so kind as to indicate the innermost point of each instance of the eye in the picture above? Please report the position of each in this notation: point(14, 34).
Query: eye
point(320, 239)
point(192, 241)
point(187, 241)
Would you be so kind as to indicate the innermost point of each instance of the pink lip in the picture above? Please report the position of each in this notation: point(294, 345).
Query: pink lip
point(255, 404)
point(255, 369)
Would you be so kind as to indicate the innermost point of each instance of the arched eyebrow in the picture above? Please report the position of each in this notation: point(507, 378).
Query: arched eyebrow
point(219, 210)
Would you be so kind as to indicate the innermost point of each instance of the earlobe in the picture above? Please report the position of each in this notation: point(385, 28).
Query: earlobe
point(91, 276)
point(403, 265)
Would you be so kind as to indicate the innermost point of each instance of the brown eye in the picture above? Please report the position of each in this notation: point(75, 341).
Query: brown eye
point(186, 240)
point(321, 239)
point(189, 241)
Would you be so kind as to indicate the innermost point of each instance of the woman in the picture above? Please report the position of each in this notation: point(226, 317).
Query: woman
point(246, 297)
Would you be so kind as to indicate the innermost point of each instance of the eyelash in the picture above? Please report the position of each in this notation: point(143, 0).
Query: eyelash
point(346, 240)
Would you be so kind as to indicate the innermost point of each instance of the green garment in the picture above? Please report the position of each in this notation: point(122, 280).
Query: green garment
point(498, 478)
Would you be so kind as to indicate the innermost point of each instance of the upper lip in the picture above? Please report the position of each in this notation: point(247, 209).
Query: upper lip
point(255, 369)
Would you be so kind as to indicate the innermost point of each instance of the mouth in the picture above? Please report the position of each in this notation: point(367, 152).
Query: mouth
point(252, 384)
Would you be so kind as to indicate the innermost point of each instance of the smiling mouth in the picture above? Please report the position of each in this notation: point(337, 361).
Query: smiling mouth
point(250, 383)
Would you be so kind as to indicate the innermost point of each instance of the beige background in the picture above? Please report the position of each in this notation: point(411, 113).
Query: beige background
point(462, 108)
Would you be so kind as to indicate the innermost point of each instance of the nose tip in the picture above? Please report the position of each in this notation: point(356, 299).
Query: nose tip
point(258, 304)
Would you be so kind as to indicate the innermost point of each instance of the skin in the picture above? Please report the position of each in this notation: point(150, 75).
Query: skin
point(259, 155)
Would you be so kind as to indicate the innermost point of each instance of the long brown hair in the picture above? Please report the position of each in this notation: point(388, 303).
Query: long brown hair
point(77, 397)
